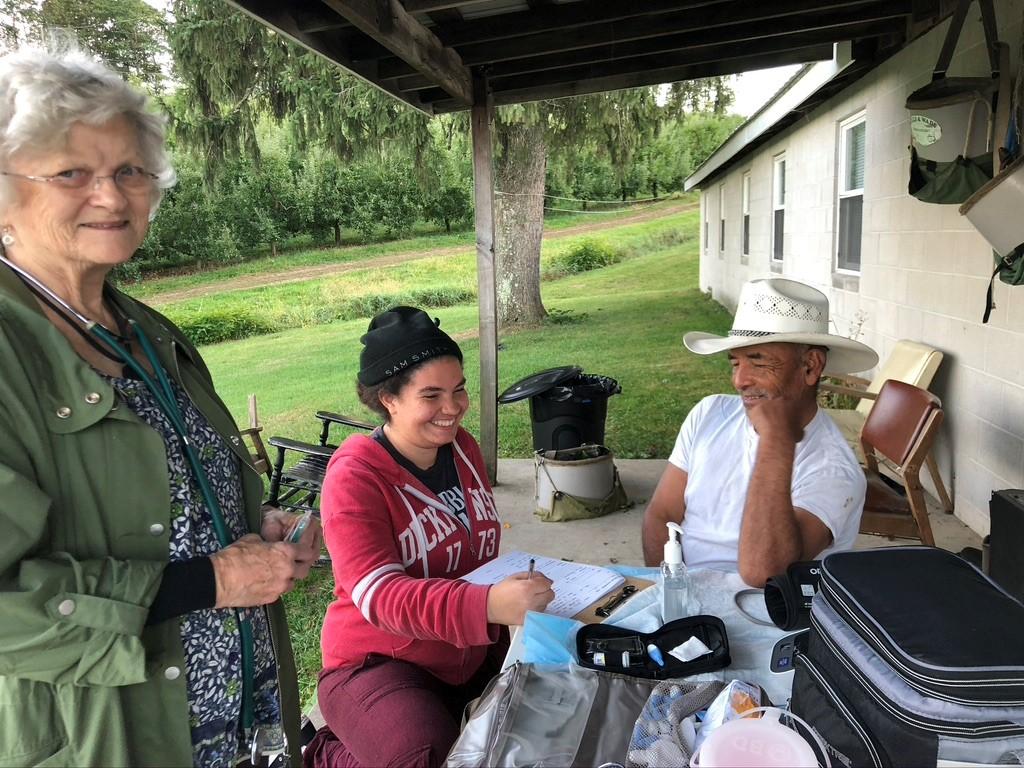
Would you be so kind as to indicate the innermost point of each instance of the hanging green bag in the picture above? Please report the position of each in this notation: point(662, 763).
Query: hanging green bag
point(932, 181)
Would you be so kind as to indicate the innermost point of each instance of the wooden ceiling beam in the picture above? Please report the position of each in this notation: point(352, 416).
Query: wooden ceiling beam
point(567, 16)
point(637, 79)
point(559, 16)
point(418, 6)
point(649, 34)
point(552, 67)
point(388, 23)
point(744, 16)
point(779, 34)
point(314, 17)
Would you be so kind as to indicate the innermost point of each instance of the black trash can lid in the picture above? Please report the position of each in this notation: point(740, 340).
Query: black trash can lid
point(539, 383)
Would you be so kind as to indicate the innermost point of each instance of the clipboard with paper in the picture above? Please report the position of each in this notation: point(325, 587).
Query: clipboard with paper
point(580, 588)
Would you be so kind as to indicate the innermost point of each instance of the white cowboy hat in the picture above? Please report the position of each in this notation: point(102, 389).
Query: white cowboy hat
point(778, 310)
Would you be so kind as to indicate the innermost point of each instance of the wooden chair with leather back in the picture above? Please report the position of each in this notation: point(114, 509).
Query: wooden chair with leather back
point(900, 427)
point(909, 361)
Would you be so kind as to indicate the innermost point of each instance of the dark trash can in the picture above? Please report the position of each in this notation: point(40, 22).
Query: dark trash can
point(567, 407)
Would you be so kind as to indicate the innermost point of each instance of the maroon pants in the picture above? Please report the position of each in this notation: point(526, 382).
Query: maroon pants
point(391, 713)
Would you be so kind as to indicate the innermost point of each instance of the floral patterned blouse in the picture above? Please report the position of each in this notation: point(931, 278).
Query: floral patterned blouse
point(211, 638)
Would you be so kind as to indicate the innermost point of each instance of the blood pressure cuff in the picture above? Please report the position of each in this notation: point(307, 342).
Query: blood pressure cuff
point(788, 597)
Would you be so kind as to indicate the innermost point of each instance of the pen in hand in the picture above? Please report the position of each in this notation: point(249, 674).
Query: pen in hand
point(529, 571)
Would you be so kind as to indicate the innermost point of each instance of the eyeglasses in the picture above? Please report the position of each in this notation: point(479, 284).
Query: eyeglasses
point(128, 178)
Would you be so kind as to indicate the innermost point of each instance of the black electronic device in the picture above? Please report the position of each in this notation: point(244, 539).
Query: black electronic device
point(1006, 541)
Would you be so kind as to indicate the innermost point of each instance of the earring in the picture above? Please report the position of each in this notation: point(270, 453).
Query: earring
point(7, 239)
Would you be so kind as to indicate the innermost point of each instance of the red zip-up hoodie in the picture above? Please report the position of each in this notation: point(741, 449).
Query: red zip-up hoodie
point(397, 552)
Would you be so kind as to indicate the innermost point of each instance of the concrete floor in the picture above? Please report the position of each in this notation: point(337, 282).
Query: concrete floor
point(615, 538)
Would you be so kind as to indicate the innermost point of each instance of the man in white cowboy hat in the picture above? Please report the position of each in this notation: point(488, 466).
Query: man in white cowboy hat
point(764, 478)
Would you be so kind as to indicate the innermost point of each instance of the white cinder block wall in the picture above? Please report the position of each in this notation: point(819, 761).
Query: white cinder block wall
point(924, 269)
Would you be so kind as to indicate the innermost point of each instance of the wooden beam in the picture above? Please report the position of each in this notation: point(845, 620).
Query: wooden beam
point(564, 17)
point(660, 63)
point(560, 16)
point(387, 22)
point(569, 66)
point(687, 48)
point(625, 37)
point(713, 24)
point(416, 6)
point(269, 13)
point(314, 17)
point(483, 199)
point(523, 92)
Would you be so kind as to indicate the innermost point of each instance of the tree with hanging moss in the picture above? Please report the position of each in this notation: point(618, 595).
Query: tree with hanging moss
point(223, 96)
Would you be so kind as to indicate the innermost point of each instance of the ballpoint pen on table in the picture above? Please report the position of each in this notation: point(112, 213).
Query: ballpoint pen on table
point(529, 571)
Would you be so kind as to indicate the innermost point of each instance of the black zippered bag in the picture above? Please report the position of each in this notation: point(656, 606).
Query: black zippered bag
point(914, 655)
point(613, 642)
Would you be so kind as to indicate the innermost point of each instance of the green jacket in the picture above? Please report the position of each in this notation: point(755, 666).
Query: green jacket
point(85, 516)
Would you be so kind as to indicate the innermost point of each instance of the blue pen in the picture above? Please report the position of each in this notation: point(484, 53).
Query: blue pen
point(654, 652)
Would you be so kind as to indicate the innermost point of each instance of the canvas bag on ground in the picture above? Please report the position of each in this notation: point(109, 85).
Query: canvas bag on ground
point(541, 714)
point(577, 483)
point(914, 656)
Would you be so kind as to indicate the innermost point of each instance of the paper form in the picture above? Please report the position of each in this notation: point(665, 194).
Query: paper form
point(576, 585)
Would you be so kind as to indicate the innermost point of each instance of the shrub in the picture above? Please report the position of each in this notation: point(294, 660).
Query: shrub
point(586, 255)
point(209, 327)
point(371, 304)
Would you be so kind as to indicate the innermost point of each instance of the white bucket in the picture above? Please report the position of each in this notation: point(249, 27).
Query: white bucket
point(587, 472)
point(995, 209)
point(943, 133)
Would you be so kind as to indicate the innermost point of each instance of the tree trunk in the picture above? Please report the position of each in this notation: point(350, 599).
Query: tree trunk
point(519, 223)
point(337, 233)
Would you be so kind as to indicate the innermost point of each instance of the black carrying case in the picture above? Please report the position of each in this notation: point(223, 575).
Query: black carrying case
point(914, 655)
point(613, 641)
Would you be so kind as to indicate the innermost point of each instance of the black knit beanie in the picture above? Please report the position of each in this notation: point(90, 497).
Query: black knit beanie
point(401, 338)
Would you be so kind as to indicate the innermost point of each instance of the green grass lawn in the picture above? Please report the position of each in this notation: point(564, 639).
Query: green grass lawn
point(625, 321)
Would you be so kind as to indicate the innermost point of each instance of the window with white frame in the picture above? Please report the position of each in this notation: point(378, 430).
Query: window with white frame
point(850, 204)
point(721, 217)
point(778, 205)
point(746, 214)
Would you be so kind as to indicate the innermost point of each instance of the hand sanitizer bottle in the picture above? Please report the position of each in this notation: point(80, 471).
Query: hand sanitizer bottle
point(673, 576)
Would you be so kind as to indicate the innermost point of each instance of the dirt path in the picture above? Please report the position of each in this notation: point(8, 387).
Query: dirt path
point(299, 274)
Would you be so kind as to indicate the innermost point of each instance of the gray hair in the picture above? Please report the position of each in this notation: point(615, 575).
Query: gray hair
point(43, 91)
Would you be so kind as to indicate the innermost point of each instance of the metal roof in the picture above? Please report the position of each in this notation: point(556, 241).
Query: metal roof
point(429, 53)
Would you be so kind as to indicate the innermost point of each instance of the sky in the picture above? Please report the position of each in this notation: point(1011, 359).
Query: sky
point(753, 89)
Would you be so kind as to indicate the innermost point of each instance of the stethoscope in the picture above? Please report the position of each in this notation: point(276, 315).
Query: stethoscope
point(165, 397)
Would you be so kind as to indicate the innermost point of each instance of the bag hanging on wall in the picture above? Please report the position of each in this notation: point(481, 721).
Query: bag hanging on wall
point(994, 210)
point(951, 122)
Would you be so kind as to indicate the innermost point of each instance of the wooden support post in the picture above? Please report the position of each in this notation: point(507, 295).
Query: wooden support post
point(483, 197)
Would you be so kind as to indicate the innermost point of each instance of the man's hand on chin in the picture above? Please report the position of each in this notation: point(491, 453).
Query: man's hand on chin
point(778, 418)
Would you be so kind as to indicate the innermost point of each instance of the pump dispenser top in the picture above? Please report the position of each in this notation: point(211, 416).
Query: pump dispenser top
point(674, 584)
point(674, 545)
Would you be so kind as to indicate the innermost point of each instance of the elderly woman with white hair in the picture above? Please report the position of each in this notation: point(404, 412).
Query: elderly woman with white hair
point(139, 575)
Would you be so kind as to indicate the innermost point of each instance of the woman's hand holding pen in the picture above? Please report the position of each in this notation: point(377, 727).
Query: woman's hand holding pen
point(510, 599)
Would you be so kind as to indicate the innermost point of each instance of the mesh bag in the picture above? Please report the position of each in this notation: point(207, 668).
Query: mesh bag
point(664, 733)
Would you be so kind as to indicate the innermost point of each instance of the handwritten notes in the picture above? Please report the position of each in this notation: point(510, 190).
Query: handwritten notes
point(576, 585)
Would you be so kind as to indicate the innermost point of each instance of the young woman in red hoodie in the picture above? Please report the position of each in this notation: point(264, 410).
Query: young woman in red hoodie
point(406, 512)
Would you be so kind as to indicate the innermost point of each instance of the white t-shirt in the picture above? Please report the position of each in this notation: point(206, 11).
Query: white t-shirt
point(716, 447)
